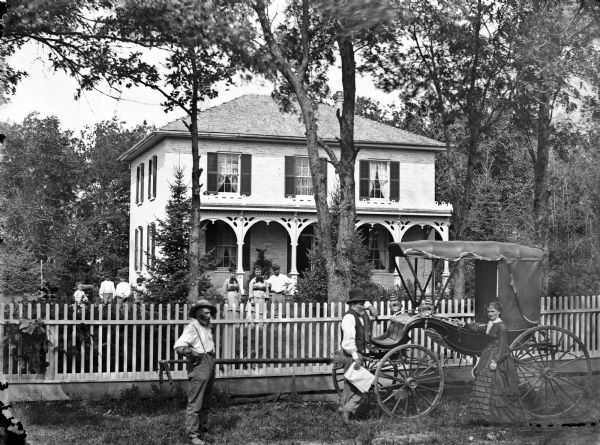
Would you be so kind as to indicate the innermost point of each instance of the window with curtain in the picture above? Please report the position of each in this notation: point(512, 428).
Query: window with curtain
point(376, 242)
point(303, 179)
point(226, 246)
point(378, 179)
point(228, 173)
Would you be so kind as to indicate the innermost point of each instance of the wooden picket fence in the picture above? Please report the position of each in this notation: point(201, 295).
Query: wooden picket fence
point(97, 343)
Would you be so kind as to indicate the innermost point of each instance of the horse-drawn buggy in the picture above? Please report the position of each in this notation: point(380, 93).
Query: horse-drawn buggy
point(553, 365)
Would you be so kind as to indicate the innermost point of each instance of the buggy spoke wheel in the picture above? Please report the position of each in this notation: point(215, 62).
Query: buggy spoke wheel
point(553, 367)
point(408, 381)
point(337, 373)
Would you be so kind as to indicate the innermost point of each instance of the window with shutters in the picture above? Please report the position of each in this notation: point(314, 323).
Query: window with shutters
point(379, 180)
point(379, 184)
point(152, 170)
point(150, 244)
point(228, 173)
point(303, 179)
point(139, 184)
point(298, 178)
point(139, 248)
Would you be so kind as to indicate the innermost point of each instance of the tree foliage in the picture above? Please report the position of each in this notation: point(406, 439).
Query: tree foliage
point(169, 271)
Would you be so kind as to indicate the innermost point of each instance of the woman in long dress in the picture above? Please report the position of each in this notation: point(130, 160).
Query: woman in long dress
point(496, 397)
point(258, 292)
point(231, 290)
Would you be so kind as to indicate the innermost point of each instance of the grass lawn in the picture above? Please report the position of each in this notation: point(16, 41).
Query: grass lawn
point(156, 421)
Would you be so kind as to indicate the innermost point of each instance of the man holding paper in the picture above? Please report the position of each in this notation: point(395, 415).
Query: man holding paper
point(355, 337)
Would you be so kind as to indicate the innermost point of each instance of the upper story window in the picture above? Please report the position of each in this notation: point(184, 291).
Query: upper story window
point(379, 179)
point(139, 184)
point(298, 179)
point(152, 170)
point(229, 173)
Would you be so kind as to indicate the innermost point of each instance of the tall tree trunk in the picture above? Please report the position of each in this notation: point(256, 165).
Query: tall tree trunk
point(339, 272)
point(194, 249)
point(541, 194)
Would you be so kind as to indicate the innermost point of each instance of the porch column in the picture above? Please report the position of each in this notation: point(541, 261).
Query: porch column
point(239, 234)
point(293, 266)
point(397, 237)
point(445, 235)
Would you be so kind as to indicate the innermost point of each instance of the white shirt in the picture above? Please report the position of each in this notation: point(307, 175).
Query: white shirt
point(349, 335)
point(107, 287)
point(198, 337)
point(79, 296)
point(279, 283)
point(123, 290)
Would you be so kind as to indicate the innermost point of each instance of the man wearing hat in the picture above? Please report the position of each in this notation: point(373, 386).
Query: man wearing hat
point(278, 285)
point(355, 337)
point(196, 343)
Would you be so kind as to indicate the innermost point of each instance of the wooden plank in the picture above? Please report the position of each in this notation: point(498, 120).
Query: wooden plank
point(83, 309)
point(108, 337)
point(101, 355)
point(126, 338)
point(143, 340)
point(161, 346)
point(151, 348)
point(134, 340)
point(117, 329)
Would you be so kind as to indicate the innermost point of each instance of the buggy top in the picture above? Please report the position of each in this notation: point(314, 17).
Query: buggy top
point(504, 272)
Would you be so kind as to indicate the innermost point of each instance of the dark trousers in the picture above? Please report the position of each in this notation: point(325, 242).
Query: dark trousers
point(351, 397)
point(202, 376)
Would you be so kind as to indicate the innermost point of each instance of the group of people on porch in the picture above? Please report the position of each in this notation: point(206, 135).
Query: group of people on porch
point(277, 289)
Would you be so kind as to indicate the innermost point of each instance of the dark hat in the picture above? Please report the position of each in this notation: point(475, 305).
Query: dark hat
point(356, 295)
point(275, 266)
point(232, 269)
point(200, 304)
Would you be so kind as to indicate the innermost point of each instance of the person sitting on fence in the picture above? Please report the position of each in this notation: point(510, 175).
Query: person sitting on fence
point(79, 296)
point(258, 290)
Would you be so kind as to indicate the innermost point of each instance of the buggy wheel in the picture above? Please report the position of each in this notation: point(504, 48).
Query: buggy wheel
point(553, 367)
point(337, 372)
point(408, 381)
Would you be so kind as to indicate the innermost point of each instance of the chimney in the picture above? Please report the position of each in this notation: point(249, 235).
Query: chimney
point(338, 99)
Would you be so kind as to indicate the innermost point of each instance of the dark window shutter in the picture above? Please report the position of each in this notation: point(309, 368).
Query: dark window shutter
point(142, 183)
point(395, 181)
point(141, 229)
point(150, 177)
point(246, 177)
point(154, 172)
point(324, 172)
point(137, 185)
point(211, 173)
point(135, 248)
point(246, 252)
point(290, 189)
point(363, 182)
point(148, 241)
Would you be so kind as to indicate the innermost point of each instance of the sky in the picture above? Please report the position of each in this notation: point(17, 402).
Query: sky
point(52, 93)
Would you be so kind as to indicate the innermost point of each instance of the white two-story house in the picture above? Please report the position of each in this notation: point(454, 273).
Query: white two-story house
point(257, 188)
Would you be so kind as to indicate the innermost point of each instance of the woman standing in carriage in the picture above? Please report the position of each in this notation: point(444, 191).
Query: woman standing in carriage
point(495, 397)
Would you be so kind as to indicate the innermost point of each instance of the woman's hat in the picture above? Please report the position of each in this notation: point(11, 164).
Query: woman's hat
point(356, 295)
point(202, 304)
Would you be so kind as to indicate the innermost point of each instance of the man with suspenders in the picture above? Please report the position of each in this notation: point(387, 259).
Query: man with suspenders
point(355, 337)
point(196, 343)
